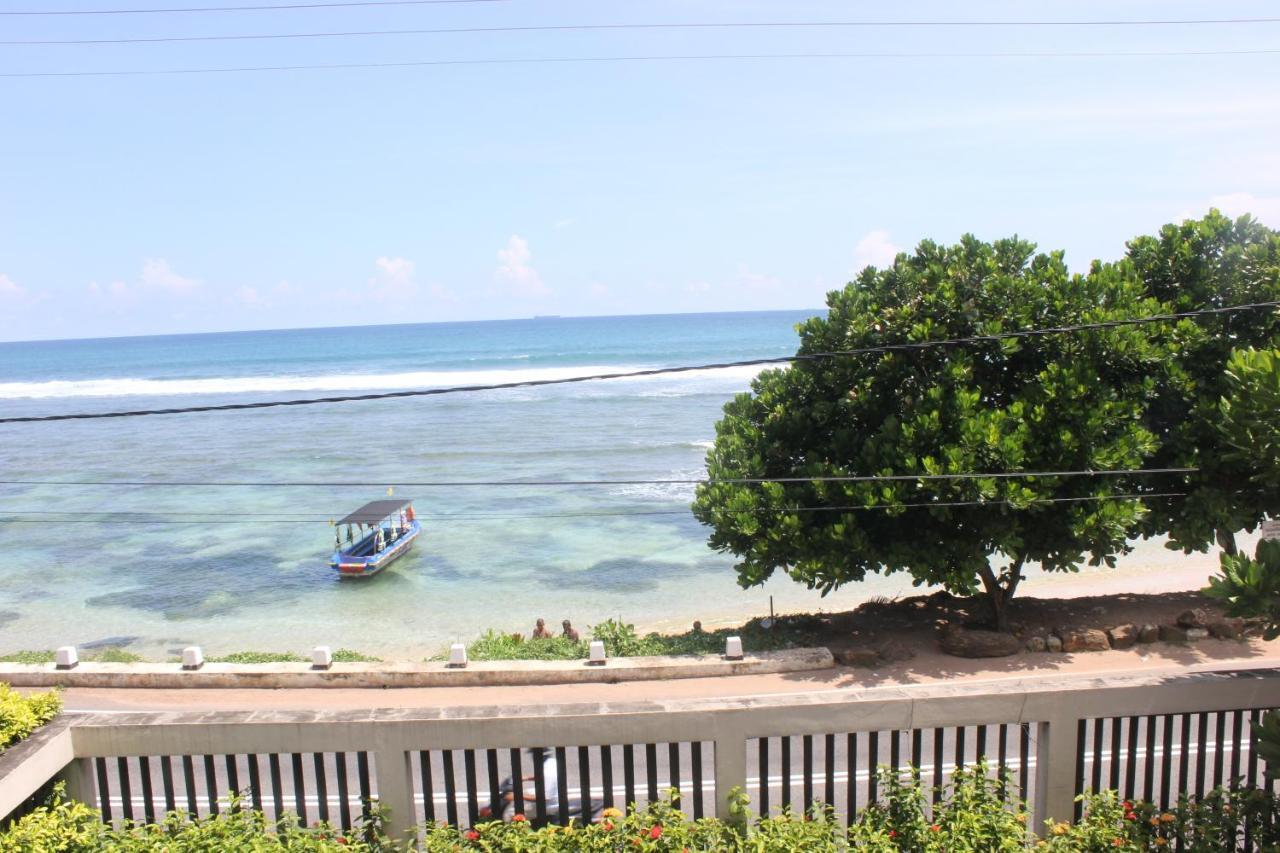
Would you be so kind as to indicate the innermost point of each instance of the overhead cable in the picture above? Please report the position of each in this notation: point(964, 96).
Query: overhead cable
point(704, 57)
point(542, 28)
point(857, 478)
point(656, 371)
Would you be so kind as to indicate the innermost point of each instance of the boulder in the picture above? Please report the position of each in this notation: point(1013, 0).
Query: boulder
point(1226, 630)
point(1036, 644)
point(1148, 634)
point(979, 644)
point(1084, 640)
point(1173, 634)
point(857, 657)
point(1193, 618)
point(892, 651)
point(1123, 636)
point(1053, 643)
point(1196, 634)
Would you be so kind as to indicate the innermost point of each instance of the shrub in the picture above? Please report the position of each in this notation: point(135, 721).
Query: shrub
point(349, 656)
point(21, 715)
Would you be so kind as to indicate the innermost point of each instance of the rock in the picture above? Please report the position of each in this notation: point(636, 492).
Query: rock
point(857, 657)
point(1085, 640)
point(1148, 634)
point(1036, 644)
point(1173, 634)
point(1196, 634)
point(1225, 630)
point(1123, 636)
point(1193, 618)
point(979, 644)
point(1053, 643)
point(892, 651)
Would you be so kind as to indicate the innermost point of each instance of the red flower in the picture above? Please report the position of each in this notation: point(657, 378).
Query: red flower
point(472, 835)
point(608, 826)
point(1130, 816)
point(1128, 805)
point(656, 832)
point(893, 833)
point(519, 818)
point(935, 828)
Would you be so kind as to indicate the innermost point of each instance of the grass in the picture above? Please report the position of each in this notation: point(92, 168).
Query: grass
point(349, 656)
point(258, 657)
point(28, 657)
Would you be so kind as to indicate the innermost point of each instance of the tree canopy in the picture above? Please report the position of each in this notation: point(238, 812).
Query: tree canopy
point(1064, 402)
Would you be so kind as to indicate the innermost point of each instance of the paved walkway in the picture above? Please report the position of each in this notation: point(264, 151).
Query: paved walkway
point(931, 667)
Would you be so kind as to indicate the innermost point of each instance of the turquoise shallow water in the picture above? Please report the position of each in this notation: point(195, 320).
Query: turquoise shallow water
point(247, 567)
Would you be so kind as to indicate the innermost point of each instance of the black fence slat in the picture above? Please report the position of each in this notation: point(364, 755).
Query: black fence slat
point(651, 770)
point(959, 748)
point(539, 784)
point(1024, 759)
point(917, 744)
point(189, 783)
point(233, 780)
point(166, 784)
point(1131, 760)
point(1149, 760)
point(429, 788)
point(1002, 749)
point(980, 743)
point(1251, 774)
point(299, 788)
point(1202, 737)
point(1166, 760)
point(873, 764)
point(148, 795)
point(829, 770)
point(469, 775)
point(366, 789)
point(104, 789)
point(1237, 730)
point(322, 787)
point(451, 788)
point(518, 780)
point(764, 775)
point(1114, 763)
point(126, 788)
point(785, 766)
point(255, 781)
point(851, 772)
point(277, 788)
point(806, 749)
point(1081, 741)
point(584, 782)
point(1096, 775)
point(895, 757)
point(629, 774)
point(606, 775)
point(344, 791)
point(495, 783)
point(939, 738)
point(673, 761)
point(562, 786)
point(1219, 748)
point(695, 760)
point(1184, 755)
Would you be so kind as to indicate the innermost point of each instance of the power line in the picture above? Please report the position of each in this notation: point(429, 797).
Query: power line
point(627, 513)
point(656, 371)
point(859, 478)
point(264, 7)
point(706, 57)
point(638, 26)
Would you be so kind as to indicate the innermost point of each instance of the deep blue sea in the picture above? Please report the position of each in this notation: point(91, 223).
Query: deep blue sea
point(156, 568)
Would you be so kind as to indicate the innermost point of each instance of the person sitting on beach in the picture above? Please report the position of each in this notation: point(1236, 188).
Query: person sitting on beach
point(570, 633)
point(540, 631)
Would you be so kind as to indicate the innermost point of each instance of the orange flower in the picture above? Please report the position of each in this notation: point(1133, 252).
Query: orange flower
point(935, 828)
point(519, 818)
point(472, 835)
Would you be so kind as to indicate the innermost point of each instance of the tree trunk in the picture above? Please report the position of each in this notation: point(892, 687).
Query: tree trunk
point(1001, 589)
point(1227, 542)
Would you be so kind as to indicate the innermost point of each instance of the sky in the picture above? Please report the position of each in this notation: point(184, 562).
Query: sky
point(250, 200)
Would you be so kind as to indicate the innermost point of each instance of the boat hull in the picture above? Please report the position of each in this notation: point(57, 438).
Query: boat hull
point(351, 566)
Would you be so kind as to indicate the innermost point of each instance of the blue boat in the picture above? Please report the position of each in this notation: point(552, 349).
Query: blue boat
point(376, 534)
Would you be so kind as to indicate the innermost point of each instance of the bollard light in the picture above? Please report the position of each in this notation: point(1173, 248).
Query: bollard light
point(597, 653)
point(192, 658)
point(458, 655)
point(321, 657)
point(66, 657)
point(733, 648)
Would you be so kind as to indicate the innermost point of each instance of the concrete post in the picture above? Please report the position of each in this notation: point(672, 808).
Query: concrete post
point(730, 764)
point(395, 791)
point(79, 779)
point(1056, 746)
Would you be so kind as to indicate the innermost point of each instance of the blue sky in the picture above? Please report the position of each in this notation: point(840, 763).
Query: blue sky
point(142, 205)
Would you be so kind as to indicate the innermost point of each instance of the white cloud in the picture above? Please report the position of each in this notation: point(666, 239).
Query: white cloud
point(156, 272)
point(394, 279)
point(1265, 209)
point(250, 296)
point(10, 289)
point(758, 282)
point(516, 270)
point(875, 249)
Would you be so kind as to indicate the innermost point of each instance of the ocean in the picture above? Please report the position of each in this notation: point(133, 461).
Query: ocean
point(155, 568)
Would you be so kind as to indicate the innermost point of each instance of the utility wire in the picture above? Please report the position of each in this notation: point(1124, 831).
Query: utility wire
point(656, 371)
point(705, 57)
point(861, 478)
point(543, 28)
point(265, 7)
point(626, 513)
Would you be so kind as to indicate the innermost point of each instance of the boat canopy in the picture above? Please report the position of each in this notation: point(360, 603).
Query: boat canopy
point(375, 511)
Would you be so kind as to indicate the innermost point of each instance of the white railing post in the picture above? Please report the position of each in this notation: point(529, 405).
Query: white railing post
point(395, 791)
point(730, 764)
point(1057, 744)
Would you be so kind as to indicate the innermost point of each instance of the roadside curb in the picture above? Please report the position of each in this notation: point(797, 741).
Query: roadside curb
point(372, 675)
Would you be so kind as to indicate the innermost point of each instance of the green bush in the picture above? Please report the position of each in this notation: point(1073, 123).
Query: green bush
point(259, 657)
point(21, 715)
point(349, 656)
point(28, 656)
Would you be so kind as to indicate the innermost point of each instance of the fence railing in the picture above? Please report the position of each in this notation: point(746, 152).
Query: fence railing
point(1151, 735)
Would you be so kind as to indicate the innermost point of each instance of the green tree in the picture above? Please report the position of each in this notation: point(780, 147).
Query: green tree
point(1203, 264)
point(1043, 403)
